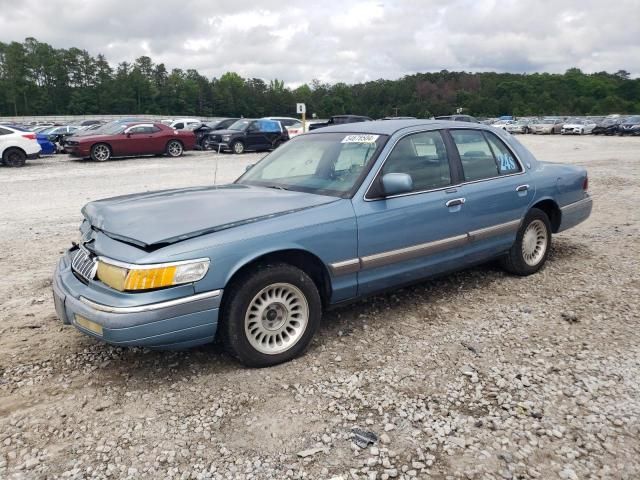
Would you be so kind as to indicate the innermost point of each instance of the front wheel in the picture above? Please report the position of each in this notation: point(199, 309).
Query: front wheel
point(270, 315)
point(100, 152)
point(237, 147)
point(531, 248)
point(174, 148)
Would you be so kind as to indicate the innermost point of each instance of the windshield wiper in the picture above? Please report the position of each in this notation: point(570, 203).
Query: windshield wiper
point(277, 187)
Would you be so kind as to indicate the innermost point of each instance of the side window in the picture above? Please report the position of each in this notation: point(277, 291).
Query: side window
point(178, 126)
point(475, 154)
point(4, 131)
point(507, 164)
point(424, 157)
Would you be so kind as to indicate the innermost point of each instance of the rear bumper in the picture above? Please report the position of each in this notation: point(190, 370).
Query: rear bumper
point(575, 213)
point(173, 324)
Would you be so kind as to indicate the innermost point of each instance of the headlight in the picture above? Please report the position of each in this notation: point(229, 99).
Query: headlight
point(226, 138)
point(126, 277)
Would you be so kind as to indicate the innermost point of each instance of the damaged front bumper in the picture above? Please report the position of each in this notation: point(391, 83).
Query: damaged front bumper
point(155, 319)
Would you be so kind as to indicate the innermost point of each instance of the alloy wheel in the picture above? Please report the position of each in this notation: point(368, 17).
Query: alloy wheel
point(276, 318)
point(534, 242)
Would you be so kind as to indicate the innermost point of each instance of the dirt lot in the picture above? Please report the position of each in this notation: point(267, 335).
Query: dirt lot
point(476, 375)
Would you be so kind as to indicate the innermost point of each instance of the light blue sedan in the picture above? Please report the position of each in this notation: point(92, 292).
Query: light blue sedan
point(329, 217)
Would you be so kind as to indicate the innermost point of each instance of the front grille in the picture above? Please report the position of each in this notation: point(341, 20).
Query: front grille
point(84, 264)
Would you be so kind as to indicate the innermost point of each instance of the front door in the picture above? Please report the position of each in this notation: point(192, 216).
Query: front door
point(416, 234)
point(496, 192)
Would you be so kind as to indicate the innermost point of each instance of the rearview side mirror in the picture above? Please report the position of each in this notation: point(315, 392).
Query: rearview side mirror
point(396, 183)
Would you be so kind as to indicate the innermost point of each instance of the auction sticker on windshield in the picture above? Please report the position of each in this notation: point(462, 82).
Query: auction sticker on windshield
point(360, 139)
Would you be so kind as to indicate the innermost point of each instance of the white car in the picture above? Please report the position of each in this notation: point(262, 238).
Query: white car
point(578, 126)
point(185, 123)
point(16, 146)
point(502, 124)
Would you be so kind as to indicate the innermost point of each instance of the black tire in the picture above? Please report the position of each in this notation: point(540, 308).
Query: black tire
point(174, 148)
point(242, 293)
point(237, 147)
point(14, 157)
point(514, 262)
point(100, 152)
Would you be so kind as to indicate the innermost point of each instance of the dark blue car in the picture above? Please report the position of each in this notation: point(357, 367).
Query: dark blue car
point(330, 216)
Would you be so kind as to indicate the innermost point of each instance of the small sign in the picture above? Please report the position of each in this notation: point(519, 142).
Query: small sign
point(360, 139)
point(301, 108)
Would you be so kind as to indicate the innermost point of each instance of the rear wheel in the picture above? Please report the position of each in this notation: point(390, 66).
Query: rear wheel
point(237, 147)
point(270, 315)
point(14, 157)
point(100, 152)
point(531, 248)
point(174, 148)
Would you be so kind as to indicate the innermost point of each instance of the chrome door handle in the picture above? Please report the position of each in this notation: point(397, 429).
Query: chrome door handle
point(522, 188)
point(455, 201)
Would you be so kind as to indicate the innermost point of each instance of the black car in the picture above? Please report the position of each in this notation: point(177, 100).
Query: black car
point(608, 126)
point(458, 118)
point(630, 126)
point(249, 134)
point(340, 120)
point(202, 131)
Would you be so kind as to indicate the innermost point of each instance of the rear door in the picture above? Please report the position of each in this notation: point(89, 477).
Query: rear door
point(496, 191)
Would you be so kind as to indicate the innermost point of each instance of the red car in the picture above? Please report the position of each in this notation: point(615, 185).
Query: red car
point(125, 139)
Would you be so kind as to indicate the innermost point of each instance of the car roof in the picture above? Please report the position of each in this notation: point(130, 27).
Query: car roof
point(389, 127)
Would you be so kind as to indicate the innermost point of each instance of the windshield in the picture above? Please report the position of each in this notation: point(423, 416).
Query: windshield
point(240, 124)
point(325, 163)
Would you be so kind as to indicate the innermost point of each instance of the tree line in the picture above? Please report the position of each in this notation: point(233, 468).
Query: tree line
point(38, 79)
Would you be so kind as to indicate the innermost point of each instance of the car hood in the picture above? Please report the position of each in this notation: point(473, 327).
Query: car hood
point(169, 216)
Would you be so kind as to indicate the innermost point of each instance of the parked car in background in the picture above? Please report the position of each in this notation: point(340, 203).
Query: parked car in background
point(185, 123)
point(519, 126)
point(578, 126)
point(126, 139)
point(295, 129)
point(87, 123)
point(17, 146)
point(288, 123)
point(502, 124)
point(458, 118)
point(608, 126)
point(249, 134)
point(630, 126)
point(339, 120)
point(202, 131)
point(331, 216)
point(548, 126)
point(47, 147)
point(59, 135)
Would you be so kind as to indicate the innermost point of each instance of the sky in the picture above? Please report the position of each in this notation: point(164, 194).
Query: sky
point(340, 41)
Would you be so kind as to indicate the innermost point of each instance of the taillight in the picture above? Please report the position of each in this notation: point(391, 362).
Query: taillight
point(585, 184)
point(30, 136)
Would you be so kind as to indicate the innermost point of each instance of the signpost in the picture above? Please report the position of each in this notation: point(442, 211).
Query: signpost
point(301, 108)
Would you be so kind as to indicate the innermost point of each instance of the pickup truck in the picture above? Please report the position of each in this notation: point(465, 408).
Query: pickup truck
point(339, 120)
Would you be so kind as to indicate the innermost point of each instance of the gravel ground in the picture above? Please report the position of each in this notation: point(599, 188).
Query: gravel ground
point(477, 375)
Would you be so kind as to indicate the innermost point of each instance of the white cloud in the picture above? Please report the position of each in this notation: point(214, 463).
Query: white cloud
point(347, 40)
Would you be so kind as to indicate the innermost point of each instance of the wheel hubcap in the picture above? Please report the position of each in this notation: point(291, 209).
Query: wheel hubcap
point(534, 242)
point(102, 152)
point(175, 149)
point(238, 148)
point(276, 318)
